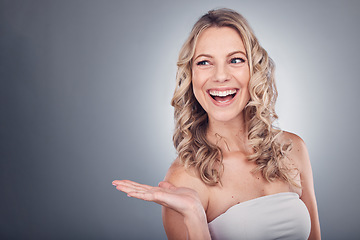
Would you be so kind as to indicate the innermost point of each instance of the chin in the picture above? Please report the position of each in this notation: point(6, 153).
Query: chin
point(224, 117)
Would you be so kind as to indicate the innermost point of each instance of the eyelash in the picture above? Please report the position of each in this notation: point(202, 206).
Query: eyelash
point(241, 60)
point(205, 62)
point(202, 62)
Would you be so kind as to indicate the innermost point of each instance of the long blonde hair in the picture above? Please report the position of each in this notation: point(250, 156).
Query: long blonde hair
point(191, 120)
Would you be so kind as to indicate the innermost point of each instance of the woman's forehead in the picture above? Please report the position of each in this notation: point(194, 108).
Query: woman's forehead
point(219, 39)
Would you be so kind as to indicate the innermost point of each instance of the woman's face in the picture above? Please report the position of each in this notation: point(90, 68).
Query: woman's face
point(220, 73)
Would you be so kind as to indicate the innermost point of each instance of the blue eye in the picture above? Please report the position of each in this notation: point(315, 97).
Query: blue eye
point(203, 63)
point(237, 60)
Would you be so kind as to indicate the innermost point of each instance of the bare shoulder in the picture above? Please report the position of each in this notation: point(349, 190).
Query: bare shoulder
point(295, 139)
point(180, 176)
point(298, 153)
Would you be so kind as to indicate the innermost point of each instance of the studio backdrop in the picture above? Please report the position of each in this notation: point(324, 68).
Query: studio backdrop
point(85, 90)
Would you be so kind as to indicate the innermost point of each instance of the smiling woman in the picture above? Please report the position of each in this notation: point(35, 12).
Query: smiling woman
point(236, 176)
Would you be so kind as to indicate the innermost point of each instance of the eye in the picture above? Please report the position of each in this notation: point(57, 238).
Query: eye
point(203, 63)
point(237, 60)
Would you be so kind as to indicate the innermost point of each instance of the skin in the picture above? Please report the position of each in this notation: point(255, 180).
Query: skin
point(220, 63)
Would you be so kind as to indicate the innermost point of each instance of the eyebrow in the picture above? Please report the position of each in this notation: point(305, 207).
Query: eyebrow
point(230, 54)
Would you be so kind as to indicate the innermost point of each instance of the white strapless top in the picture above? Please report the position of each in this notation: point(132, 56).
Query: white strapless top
point(277, 216)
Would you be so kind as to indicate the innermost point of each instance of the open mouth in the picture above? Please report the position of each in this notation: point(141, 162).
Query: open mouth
point(223, 96)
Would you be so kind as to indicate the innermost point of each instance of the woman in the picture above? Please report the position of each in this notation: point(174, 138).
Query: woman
point(236, 176)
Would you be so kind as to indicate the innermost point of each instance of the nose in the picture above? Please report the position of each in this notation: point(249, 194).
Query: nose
point(221, 73)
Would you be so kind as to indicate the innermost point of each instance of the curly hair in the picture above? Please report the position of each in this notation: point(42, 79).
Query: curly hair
point(191, 120)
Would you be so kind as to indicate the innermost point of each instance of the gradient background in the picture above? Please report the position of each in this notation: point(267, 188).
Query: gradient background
point(85, 99)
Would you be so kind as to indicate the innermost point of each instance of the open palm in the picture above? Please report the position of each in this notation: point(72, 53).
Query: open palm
point(180, 199)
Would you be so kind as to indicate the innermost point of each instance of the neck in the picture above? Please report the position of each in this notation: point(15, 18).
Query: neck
point(230, 136)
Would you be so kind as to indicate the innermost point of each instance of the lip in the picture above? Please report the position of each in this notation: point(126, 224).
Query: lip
point(223, 104)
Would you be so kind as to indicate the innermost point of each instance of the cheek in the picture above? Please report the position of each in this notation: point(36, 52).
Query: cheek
point(197, 85)
point(196, 89)
point(247, 89)
point(244, 80)
point(244, 77)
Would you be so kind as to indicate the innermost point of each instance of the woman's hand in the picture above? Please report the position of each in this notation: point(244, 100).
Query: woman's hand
point(183, 200)
point(186, 201)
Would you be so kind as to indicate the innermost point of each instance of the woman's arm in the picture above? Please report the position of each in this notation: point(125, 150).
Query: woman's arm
point(300, 154)
point(176, 225)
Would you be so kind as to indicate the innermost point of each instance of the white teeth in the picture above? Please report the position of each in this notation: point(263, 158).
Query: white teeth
point(222, 93)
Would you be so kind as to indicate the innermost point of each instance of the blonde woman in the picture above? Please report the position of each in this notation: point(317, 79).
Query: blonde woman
point(236, 176)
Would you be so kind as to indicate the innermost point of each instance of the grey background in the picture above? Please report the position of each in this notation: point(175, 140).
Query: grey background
point(85, 99)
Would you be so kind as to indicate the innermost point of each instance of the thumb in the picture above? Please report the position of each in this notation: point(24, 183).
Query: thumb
point(167, 185)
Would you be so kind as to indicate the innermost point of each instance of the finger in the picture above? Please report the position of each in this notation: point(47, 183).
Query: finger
point(142, 195)
point(131, 188)
point(167, 185)
point(125, 189)
point(125, 181)
point(158, 197)
point(115, 182)
point(131, 184)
